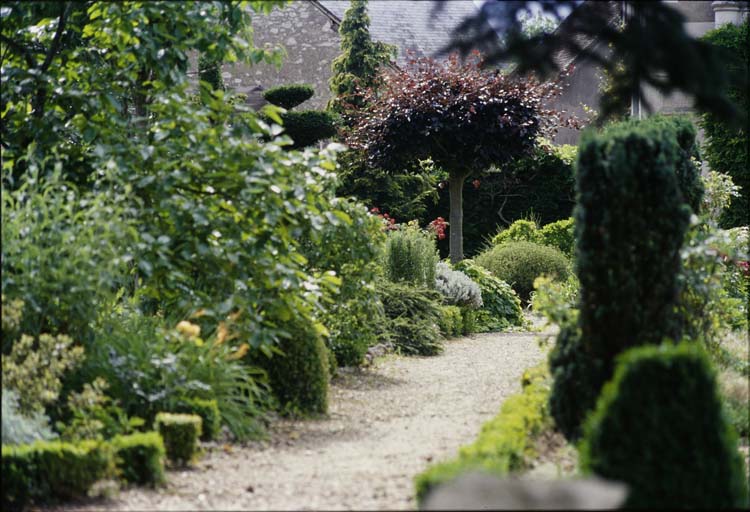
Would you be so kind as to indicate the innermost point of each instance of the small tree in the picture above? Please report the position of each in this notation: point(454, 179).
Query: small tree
point(462, 116)
point(357, 67)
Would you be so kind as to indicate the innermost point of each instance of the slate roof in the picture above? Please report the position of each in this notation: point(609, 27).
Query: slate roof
point(410, 24)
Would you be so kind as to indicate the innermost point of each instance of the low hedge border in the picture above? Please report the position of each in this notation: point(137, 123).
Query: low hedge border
point(140, 458)
point(180, 433)
point(505, 442)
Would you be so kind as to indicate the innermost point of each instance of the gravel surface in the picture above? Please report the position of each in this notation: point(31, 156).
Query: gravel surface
point(386, 424)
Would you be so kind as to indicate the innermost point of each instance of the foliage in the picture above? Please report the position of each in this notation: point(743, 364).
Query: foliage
point(521, 230)
point(413, 318)
point(33, 369)
point(450, 321)
point(457, 288)
point(209, 71)
point(719, 191)
point(351, 246)
point(64, 252)
point(357, 67)
point(504, 442)
point(501, 306)
point(726, 146)
point(519, 263)
point(308, 127)
point(299, 375)
point(140, 457)
point(470, 321)
point(672, 391)
point(556, 301)
point(180, 433)
point(577, 379)
point(53, 470)
point(631, 60)
point(151, 368)
point(735, 392)
point(559, 235)
point(18, 428)
point(93, 415)
point(462, 116)
point(208, 410)
point(289, 96)
point(411, 256)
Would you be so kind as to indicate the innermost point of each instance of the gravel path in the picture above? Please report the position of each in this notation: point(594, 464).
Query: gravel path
point(386, 424)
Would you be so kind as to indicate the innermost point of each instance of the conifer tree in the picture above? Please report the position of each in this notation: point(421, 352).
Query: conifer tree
point(361, 57)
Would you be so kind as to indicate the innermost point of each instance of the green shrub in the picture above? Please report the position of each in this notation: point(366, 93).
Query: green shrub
point(501, 307)
point(470, 321)
point(140, 457)
point(630, 223)
point(556, 301)
point(457, 288)
point(735, 391)
point(299, 377)
point(725, 146)
point(659, 427)
point(208, 410)
point(411, 256)
point(521, 230)
point(503, 444)
point(577, 378)
point(180, 433)
point(413, 318)
point(520, 263)
point(450, 321)
point(308, 127)
point(559, 235)
point(53, 470)
point(288, 96)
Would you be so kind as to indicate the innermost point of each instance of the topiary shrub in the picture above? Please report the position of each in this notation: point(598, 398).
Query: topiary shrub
point(288, 96)
point(450, 321)
point(457, 288)
point(559, 235)
point(413, 318)
point(299, 377)
point(180, 433)
point(659, 427)
point(630, 223)
point(519, 263)
point(208, 410)
point(411, 256)
point(577, 378)
point(308, 127)
point(53, 470)
point(521, 230)
point(501, 307)
point(725, 146)
point(140, 457)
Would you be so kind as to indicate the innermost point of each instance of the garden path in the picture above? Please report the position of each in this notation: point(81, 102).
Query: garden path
point(386, 424)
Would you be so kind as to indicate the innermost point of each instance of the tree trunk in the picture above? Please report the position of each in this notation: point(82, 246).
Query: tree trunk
point(456, 226)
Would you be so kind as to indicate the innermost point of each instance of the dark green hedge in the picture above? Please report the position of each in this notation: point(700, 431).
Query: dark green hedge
point(180, 433)
point(659, 428)
point(288, 96)
point(727, 148)
point(413, 317)
point(308, 127)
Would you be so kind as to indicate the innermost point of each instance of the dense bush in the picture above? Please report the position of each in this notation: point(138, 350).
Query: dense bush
point(503, 443)
point(559, 235)
point(725, 147)
point(352, 246)
point(299, 376)
point(659, 427)
point(18, 428)
point(411, 256)
point(140, 457)
point(308, 127)
point(577, 379)
point(735, 391)
point(208, 410)
point(522, 230)
point(52, 470)
point(288, 96)
point(413, 315)
point(457, 288)
point(520, 263)
point(631, 219)
point(556, 301)
point(501, 307)
point(450, 321)
point(180, 433)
